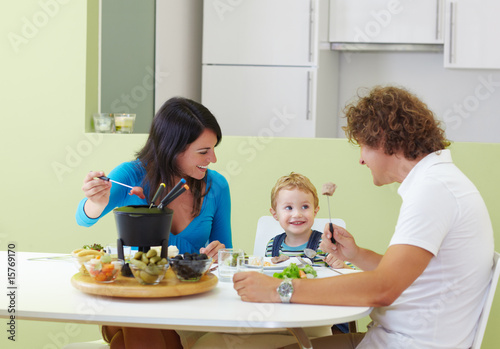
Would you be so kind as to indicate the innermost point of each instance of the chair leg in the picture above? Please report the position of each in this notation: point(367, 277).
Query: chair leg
point(353, 327)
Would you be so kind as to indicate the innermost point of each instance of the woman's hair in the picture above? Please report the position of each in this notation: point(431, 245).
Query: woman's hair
point(294, 181)
point(178, 123)
point(396, 120)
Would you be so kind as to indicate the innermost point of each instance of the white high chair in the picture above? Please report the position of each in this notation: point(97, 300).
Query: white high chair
point(268, 227)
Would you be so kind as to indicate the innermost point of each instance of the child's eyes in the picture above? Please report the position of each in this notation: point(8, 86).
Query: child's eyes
point(288, 207)
point(305, 207)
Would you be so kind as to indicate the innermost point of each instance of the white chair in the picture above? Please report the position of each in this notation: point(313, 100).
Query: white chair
point(483, 318)
point(268, 227)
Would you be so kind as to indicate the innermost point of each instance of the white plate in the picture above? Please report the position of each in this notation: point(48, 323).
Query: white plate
point(282, 265)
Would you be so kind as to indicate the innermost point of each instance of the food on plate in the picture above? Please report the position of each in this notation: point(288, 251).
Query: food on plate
point(97, 247)
point(137, 191)
point(294, 272)
point(103, 268)
point(148, 267)
point(88, 252)
point(328, 189)
point(190, 266)
point(172, 251)
point(279, 259)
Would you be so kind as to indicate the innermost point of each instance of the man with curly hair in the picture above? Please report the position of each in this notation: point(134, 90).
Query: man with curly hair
point(425, 291)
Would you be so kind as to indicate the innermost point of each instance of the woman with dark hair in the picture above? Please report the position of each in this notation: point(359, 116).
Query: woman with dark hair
point(181, 144)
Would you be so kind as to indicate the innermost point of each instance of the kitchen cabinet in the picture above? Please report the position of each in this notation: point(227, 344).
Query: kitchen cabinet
point(261, 68)
point(386, 22)
point(261, 101)
point(260, 32)
point(471, 32)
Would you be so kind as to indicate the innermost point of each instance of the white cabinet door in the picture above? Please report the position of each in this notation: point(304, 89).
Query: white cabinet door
point(261, 32)
point(386, 21)
point(261, 101)
point(472, 30)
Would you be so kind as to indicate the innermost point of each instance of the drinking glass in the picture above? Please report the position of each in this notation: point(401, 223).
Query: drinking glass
point(228, 263)
point(124, 123)
point(103, 122)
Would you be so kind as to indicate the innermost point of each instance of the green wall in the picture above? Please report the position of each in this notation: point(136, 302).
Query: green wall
point(46, 153)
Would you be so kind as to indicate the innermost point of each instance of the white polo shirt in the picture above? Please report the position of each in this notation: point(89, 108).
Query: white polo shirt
point(442, 212)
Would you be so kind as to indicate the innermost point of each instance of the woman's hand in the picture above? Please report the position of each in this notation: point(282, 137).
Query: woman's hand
point(212, 250)
point(97, 192)
point(345, 247)
point(256, 287)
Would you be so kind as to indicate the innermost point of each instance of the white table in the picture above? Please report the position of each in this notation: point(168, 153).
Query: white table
point(44, 292)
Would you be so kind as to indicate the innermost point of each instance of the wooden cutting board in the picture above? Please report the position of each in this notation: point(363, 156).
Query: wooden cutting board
point(123, 286)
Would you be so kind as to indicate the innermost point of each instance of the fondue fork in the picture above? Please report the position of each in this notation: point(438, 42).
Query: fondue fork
point(171, 192)
point(107, 179)
point(158, 193)
point(176, 194)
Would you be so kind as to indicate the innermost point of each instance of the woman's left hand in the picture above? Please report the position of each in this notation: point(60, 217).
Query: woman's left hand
point(212, 249)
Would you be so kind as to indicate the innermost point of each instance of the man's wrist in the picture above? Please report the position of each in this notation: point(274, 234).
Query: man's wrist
point(285, 290)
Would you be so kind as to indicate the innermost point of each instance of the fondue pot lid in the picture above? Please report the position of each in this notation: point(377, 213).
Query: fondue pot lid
point(141, 210)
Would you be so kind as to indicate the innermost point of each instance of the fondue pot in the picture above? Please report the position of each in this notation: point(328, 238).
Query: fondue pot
point(141, 226)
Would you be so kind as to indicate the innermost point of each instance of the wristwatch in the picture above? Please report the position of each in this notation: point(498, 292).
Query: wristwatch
point(285, 290)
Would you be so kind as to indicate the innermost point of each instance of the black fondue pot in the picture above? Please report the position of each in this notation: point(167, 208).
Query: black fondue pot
point(141, 226)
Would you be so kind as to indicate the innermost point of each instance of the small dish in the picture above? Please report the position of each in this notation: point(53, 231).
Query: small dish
point(190, 270)
point(104, 272)
point(149, 275)
point(80, 257)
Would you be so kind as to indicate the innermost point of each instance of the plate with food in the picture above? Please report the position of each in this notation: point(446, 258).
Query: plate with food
point(279, 263)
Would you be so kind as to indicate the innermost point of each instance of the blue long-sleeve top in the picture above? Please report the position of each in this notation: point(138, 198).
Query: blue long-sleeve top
point(213, 223)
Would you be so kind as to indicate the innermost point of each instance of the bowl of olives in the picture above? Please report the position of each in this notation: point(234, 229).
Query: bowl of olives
point(190, 266)
point(148, 268)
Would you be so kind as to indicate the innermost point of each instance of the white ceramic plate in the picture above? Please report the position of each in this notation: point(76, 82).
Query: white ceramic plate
point(282, 265)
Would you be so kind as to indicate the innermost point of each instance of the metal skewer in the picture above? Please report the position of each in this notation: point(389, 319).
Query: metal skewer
point(330, 216)
point(107, 179)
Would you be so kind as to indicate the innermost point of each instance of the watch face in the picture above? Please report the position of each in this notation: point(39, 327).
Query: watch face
point(285, 291)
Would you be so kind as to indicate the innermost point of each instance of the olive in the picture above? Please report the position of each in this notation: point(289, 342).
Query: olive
point(154, 259)
point(147, 278)
point(163, 261)
point(138, 255)
point(151, 253)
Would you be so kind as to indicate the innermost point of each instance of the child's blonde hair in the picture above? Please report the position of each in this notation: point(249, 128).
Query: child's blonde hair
point(294, 181)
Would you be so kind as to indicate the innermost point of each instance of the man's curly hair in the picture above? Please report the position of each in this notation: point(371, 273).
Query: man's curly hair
point(395, 119)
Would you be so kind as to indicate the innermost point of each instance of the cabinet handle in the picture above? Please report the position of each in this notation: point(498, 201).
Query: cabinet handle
point(438, 19)
point(309, 96)
point(452, 29)
point(312, 30)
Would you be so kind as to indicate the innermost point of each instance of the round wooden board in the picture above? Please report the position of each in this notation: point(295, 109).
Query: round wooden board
point(123, 286)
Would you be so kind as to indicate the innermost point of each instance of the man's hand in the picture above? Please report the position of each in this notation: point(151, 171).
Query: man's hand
point(345, 249)
point(256, 287)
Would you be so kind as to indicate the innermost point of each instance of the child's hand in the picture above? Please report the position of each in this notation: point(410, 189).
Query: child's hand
point(334, 262)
